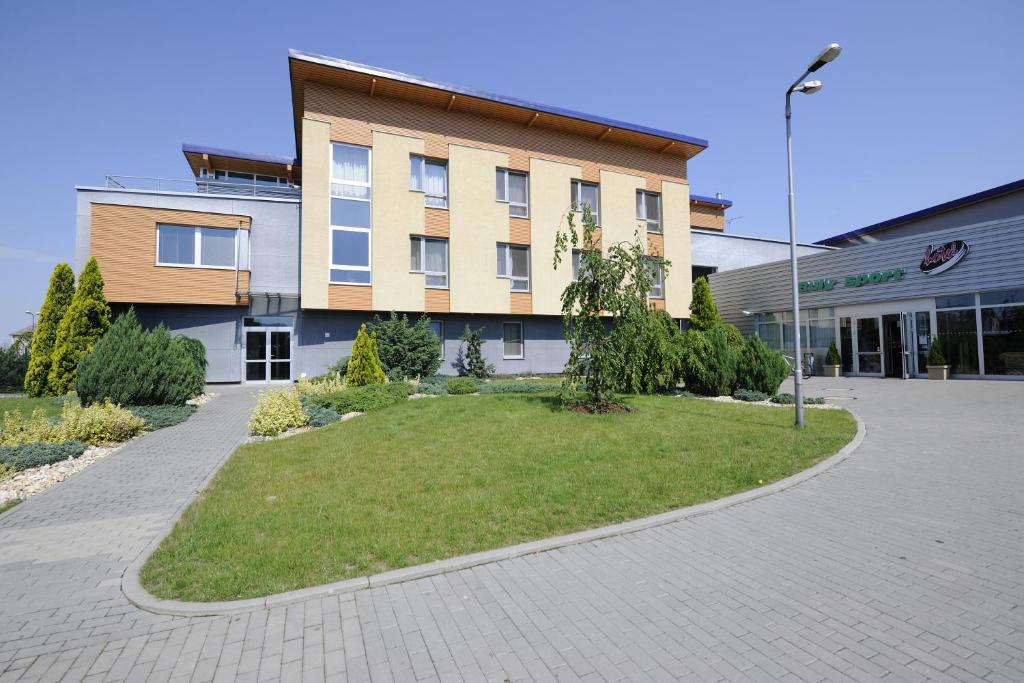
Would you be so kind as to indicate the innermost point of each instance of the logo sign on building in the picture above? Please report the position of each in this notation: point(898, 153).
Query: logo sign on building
point(939, 259)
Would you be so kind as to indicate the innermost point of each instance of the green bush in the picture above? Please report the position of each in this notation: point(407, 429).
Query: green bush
point(55, 305)
point(760, 369)
point(13, 366)
point(406, 350)
point(709, 361)
point(195, 351)
point(470, 360)
point(788, 399)
point(703, 311)
point(462, 385)
point(28, 455)
point(36, 428)
point(514, 387)
point(364, 366)
point(98, 423)
point(339, 368)
point(321, 384)
point(435, 385)
point(276, 411)
point(319, 416)
point(158, 417)
point(935, 354)
point(6, 472)
point(749, 395)
point(85, 321)
point(365, 399)
point(648, 353)
point(832, 355)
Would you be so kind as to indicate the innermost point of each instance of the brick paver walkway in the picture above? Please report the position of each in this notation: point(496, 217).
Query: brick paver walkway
point(905, 562)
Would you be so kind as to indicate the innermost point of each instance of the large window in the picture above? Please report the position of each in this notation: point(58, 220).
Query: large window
point(648, 210)
point(512, 339)
point(958, 332)
point(817, 329)
point(514, 264)
point(240, 178)
point(657, 278)
point(513, 187)
point(351, 209)
point(587, 194)
point(1002, 331)
point(429, 256)
point(198, 247)
point(429, 176)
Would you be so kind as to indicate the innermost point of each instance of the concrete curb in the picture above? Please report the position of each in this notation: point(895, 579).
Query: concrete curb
point(138, 596)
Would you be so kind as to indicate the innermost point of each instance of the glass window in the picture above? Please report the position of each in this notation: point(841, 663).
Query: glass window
point(217, 247)
point(586, 194)
point(437, 327)
point(176, 245)
point(513, 340)
point(351, 164)
point(956, 301)
point(1002, 338)
point(576, 254)
point(430, 177)
point(958, 332)
point(351, 214)
point(350, 248)
point(350, 277)
point(658, 279)
point(429, 256)
point(513, 188)
point(648, 209)
point(1004, 296)
point(869, 345)
point(514, 263)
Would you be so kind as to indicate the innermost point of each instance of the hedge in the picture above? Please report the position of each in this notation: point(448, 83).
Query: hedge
point(364, 399)
point(516, 387)
point(462, 385)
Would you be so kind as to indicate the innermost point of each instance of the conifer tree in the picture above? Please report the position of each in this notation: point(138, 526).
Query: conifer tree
point(364, 366)
point(703, 311)
point(58, 298)
point(86, 320)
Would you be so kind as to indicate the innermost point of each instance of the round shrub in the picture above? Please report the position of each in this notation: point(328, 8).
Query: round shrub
point(788, 399)
point(462, 385)
point(277, 410)
point(98, 423)
point(406, 350)
point(320, 416)
point(749, 396)
point(436, 385)
point(709, 361)
point(760, 369)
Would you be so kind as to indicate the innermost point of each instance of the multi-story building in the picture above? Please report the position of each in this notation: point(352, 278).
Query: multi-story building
point(405, 195)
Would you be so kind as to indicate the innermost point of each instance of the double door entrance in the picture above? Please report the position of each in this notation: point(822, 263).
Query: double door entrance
point(268, 354)
point(890, 345)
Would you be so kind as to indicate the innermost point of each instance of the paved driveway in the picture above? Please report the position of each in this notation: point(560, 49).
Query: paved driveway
point(905, 562)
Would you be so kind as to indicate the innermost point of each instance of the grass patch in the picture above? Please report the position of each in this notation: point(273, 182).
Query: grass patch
point(426, 480)
point(4, 507)
point(26, 405)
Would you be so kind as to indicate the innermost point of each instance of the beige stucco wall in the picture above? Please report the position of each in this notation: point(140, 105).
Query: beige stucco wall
point(618, 208)
point(675, 199)
point(550, 197)
point(478, 223)
point(397, 213)
point(316, 212)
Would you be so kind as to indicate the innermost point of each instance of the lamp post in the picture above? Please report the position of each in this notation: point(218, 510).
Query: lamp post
point(33, 319)
point(808, 88)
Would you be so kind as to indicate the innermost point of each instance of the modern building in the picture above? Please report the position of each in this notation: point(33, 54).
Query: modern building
point(405, 194)
point(951, 272)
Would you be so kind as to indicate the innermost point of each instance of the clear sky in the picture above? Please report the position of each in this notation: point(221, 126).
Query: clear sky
point(924, 105)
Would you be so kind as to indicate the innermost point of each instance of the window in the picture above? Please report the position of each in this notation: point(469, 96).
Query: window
point(437, 327)
point(586, 194)
point(514, 263)
point(576, 255)
point(512, 338)
point(658, 278)
point(245, 178)
point(431, 178)
point(186, 245)
point(648, 209)
point(1002, 331)
point(430, 257)
point(513, 188)
point(351, 209)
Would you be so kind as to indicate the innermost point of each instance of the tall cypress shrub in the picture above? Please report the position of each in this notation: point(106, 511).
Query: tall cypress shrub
point(86, 320)
point(703, 311)
point(364, 366)
point(470, 361)
point(58, 299)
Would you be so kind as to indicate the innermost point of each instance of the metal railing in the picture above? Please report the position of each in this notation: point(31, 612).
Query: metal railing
point(200, 186)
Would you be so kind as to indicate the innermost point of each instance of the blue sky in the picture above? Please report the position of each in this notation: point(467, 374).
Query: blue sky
point(923, 106)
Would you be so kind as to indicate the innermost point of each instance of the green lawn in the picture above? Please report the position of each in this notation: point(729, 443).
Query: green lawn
point(4, 507)
point(436, 478)
point(27, 405)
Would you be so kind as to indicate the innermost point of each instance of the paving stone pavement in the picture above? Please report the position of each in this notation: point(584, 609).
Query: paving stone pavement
point(904, 562)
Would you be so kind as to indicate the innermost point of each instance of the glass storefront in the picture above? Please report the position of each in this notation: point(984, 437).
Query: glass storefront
point(1002, 331)
point(869, 345)
point(958, 332)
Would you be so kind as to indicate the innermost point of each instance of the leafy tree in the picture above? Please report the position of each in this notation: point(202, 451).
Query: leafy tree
point(87, 318)
point(470, 360)
point(709, 361)
point(703, 311)
point(13, 366)
point(406, 350)
point(760, 368)
point(607, 291)
point(832, 355)
point(58, 299)
point(364, 366)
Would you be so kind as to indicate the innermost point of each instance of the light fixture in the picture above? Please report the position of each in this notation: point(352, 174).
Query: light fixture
point(826, 56)
point(808, 87)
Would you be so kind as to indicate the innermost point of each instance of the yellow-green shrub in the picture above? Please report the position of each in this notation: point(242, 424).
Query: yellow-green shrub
point(37, 428)
point(325, 384)
point(5, 472)
point(276, 411)
point(98, 423)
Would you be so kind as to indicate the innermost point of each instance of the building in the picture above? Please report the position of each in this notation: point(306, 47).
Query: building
point(715, 250)
point(951, 272)
point(404, 194)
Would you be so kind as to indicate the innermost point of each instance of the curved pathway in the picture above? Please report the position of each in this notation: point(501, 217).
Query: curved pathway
point(905, 562)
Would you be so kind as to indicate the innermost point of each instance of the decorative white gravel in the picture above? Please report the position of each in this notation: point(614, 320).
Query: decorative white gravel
point(33, 480)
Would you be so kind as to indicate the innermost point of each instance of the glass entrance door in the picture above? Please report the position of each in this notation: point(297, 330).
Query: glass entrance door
point(869, 346)
point(268, 356)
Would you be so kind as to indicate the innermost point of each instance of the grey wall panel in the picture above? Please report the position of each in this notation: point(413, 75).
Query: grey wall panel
point(994, 262)
point(218, 327)
point(729, 252)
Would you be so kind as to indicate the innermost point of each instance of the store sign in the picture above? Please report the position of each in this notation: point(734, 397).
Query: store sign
point(827, 284)
point(943, 257)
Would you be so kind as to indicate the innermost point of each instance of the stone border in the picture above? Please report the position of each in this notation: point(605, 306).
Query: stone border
point(138, 596)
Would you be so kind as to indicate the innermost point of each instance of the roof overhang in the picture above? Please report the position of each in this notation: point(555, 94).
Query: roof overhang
point(375, 81)
point(710, 201)
point(214, 158)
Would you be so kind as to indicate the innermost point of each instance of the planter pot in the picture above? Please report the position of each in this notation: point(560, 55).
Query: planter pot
point(938, 372)
point(830, 370)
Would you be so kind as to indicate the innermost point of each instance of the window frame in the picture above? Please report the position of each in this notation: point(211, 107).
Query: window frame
point(423, 239)
point(506, 173)
point(331, 182)
point(659, 282)
point(522, 340)
point(197, 247)
point(576, 185)
point(643, 195)
point(423, 161)
point(508, 247)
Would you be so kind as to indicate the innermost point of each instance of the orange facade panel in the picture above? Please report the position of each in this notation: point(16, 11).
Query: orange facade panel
point(521, 303)
point(655, 244)
point(123, 240)
point(519, 230)
point(437, 300)
point(658, 304)
point(349, 298)
point(703, 216)
point(436, 222)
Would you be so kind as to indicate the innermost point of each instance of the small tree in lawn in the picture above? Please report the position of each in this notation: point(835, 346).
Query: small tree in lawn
point(87, 318)
point(471, 355)
point(703, 311)
point(364, 366)
point(607, 289)
point(55, 306)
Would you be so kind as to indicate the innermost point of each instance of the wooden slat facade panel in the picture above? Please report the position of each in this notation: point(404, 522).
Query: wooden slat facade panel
point(658, 304)
point(655, 244)
point(349, 298)
point(436, 222)
point(521, 303)
point(519, 230)
point(123, 240)
point(437, 300)
point(702, 216)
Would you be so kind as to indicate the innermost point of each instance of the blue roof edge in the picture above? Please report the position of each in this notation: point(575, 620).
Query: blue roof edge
point(235, 154)
point(924, 213)
point(513, 101)
point(711, 200)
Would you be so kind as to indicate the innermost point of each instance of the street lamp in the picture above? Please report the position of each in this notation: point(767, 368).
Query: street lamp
point(33, 319)
point(808, 88)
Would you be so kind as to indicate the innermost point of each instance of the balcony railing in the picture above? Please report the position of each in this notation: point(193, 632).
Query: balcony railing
point(201, 186)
